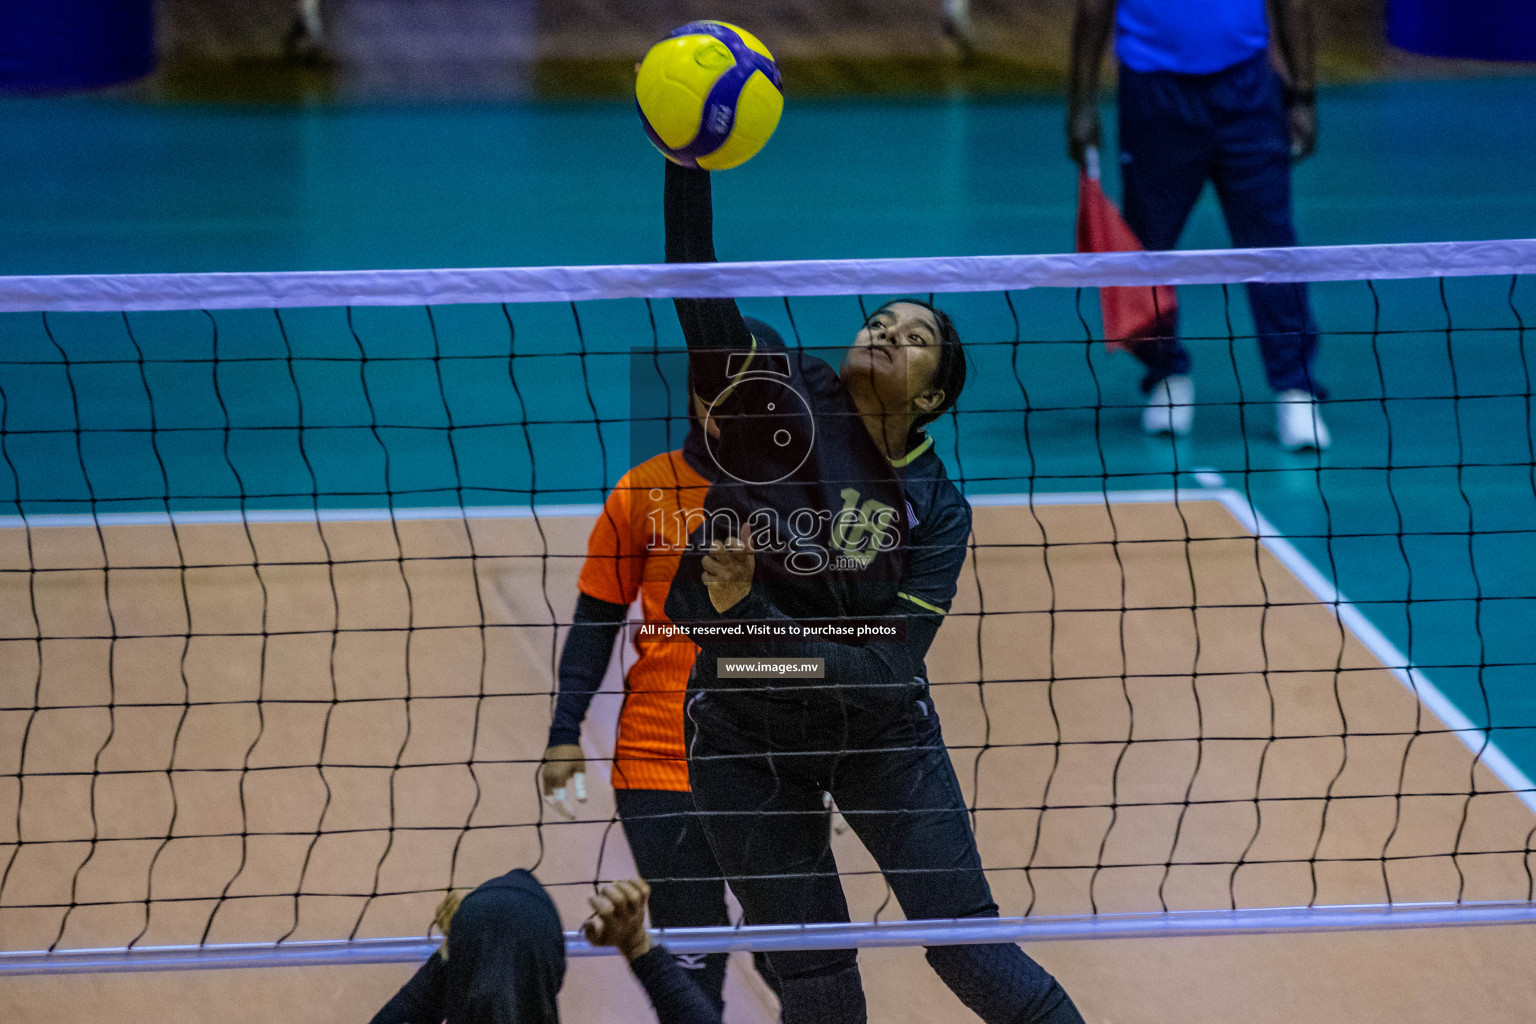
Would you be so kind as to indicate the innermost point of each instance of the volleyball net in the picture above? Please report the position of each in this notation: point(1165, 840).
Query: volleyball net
point(287, 560)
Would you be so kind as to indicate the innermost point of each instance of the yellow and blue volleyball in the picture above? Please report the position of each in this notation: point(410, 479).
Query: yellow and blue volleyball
point(709, 95)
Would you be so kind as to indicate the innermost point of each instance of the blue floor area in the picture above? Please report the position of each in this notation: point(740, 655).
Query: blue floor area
point(1429, 491)
point(95, 186)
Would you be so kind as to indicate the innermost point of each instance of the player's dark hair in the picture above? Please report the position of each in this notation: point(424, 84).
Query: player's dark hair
point(948, 376)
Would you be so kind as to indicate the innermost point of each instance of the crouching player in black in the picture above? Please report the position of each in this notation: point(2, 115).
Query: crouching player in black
point(830, 476)
point(508, 958)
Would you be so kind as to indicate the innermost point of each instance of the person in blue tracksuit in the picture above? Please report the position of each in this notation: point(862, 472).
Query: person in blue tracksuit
point(1200, 100)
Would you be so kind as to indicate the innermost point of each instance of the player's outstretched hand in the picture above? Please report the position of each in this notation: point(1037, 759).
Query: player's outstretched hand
point(618, 918)
point(728, 570)
point(564, 772)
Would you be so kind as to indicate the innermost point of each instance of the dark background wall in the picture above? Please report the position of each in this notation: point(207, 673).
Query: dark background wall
point(586, 47)
point(227, 28)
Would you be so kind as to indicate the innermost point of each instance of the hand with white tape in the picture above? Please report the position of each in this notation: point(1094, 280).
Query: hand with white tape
point(839, 823)
point(562, 774)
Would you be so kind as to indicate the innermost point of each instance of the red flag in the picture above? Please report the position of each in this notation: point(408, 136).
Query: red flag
point(1131, 315)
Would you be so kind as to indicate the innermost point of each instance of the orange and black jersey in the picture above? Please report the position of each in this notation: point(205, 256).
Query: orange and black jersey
point(633, 551)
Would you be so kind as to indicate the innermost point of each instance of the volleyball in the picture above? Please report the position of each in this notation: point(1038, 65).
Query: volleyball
point(709, 95)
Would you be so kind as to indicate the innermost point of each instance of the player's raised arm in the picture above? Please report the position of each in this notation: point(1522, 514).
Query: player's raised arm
point(709, 98)
point(713, 328)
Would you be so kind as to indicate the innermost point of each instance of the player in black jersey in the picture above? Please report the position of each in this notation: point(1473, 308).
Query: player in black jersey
point(507, 959)
point(832, 504)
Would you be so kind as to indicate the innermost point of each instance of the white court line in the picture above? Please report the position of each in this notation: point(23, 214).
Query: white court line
point(1163, 496)
point(325, 515)
point(1354, 620)
point(1213, 488)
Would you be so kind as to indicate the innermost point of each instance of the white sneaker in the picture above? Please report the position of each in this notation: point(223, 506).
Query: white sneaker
point(1298, 422)
point(1170, 407)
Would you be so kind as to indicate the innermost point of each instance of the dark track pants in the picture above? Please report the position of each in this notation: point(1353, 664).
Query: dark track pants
point(1179, 131)
point(758, 771)
point(687, 890)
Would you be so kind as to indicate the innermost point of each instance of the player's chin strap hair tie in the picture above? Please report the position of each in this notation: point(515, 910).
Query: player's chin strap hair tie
point(948, 376)
point(443, 919)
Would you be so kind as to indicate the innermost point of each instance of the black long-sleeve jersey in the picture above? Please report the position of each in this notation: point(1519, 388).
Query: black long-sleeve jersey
point(583, 661)
point(796, 467)
point(673, 995)
point(507, 964)
point(891, 534)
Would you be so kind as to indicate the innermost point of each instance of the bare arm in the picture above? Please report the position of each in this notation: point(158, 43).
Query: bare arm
point(1090, 34)
point(1296, 45)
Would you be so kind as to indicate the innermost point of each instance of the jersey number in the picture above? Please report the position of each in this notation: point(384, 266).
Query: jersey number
point(860, 531)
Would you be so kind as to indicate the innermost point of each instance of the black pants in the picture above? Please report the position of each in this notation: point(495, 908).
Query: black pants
point(1176, 133)
point(687, 890)
point(758, 768)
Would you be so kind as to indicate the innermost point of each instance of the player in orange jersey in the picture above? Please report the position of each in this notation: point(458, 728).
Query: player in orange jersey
point(633, 551)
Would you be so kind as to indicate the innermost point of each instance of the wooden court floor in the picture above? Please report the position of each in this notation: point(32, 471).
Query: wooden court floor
point(1165, 715)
